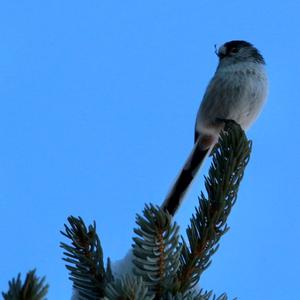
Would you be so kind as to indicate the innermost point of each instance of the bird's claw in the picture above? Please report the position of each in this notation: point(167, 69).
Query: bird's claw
point(228, 123)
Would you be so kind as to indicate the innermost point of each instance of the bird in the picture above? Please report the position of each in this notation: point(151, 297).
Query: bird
point(236, 92)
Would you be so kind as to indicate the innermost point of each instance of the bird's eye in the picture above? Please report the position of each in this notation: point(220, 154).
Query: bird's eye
point(234, 50)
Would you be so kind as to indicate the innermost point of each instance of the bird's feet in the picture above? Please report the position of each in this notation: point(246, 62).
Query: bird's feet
point(228, 123)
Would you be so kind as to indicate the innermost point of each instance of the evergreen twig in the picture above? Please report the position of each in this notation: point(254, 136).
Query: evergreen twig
point(33, 288)
point(164, 267)
point(128, 288)
point(85, 260)
point(209, 222)
point(156, 250)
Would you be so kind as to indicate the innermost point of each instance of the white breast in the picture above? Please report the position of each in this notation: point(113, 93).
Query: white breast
point(236, 92)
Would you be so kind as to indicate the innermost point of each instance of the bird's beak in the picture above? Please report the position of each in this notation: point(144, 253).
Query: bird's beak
point(222, 52)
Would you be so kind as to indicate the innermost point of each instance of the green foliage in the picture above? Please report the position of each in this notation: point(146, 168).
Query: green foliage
point(85, 260)
point(33, 288)
point(156, 249)
point(171, 269)
point(208, 224)
point(194, 296)
point(166, 267)
point(128, 288)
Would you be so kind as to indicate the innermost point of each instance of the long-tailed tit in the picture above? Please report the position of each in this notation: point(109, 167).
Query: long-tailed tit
point(236, 92)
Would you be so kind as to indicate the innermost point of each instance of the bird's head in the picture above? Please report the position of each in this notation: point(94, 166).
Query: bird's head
point(239, 51)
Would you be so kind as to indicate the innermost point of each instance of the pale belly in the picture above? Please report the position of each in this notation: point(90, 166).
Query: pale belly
point(239, 96)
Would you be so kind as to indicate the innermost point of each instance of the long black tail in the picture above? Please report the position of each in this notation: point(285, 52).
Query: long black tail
point(185, 177)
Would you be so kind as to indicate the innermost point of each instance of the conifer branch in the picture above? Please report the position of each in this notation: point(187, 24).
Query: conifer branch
point(85, 260)
point(33, 288)
point(128, 288)
point(209, 223)
point(156, 249)
point(164, 267)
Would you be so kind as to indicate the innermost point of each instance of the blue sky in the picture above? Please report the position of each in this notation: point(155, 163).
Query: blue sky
point(98, 102)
